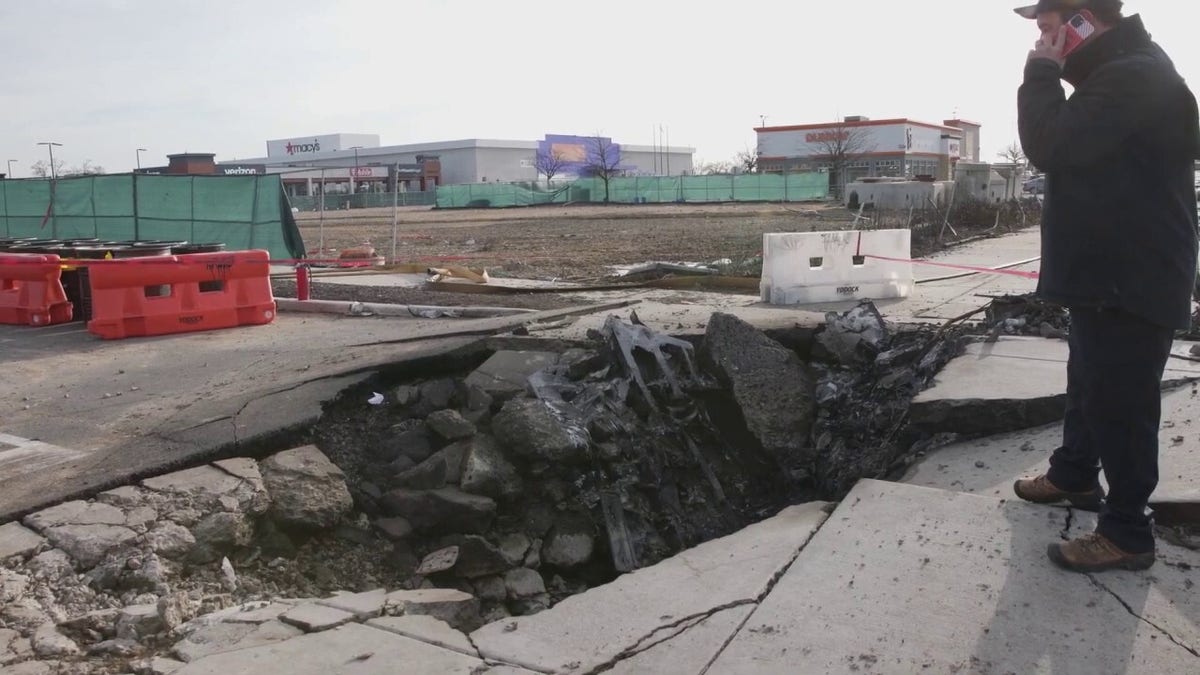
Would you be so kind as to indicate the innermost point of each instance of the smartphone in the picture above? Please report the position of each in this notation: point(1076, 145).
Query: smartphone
point(1078, 30)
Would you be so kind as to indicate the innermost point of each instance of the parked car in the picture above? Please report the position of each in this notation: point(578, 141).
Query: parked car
point(1035, 185)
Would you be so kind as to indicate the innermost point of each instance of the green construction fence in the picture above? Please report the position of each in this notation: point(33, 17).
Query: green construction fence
point(791, 187)
point(364, 200)
point(242, 212)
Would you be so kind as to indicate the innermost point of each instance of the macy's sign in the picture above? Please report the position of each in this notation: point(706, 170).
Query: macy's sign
point(303, 148)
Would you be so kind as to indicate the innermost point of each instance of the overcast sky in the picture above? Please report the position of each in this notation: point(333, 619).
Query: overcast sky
point(104, 77)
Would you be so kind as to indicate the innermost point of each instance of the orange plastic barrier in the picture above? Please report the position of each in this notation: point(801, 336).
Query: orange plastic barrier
point(31, 290)
point(163, 295)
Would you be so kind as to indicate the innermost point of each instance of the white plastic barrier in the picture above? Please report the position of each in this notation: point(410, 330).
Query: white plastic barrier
point(810, 267)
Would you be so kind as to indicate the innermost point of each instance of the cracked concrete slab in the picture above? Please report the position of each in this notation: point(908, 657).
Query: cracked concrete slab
point(602, 626)
point(990, 465)
point(1015, 382)
point(1164, 596)
point(692, 649)
point(124, 409)
point(908, 579)
point(353, 648)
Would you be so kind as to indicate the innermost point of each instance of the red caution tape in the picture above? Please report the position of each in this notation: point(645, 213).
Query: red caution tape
point(969, 268)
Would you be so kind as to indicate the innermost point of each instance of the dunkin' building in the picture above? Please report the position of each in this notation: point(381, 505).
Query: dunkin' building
point(891, 147)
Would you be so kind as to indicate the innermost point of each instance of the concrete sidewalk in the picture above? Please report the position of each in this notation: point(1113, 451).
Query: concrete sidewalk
point(80, 414)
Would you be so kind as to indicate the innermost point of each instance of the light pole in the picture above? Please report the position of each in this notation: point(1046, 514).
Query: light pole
point(10, 174)
point(762, 121)
point(50, 146)
point(354, 173)
point(139, 157)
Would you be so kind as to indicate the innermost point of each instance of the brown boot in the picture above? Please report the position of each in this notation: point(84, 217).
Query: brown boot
point(1095, 553)
point(1041, 491)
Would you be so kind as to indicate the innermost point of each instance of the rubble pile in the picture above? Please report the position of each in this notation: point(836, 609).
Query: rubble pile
point(585, 464)
point(1025, 315)
point(463, 500)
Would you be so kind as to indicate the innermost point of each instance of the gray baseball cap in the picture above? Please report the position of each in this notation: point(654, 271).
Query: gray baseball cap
point(1031, 11)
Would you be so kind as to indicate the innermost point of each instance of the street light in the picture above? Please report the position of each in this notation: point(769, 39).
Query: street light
point(50, 146)
point(139, 157)
point(762, 119)
point(10, 174)
point(354, 174)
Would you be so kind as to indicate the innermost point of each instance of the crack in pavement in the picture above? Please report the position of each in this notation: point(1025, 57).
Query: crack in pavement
point(1128, 608)
point(681, 625)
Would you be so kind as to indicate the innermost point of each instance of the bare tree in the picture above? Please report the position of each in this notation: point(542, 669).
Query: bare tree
point(714, 168)
point(549, 163)
point(86, 168)
point(747, 159)
point(1013, 154)
point(41, 168)
point(603, 161)
point(841, 145)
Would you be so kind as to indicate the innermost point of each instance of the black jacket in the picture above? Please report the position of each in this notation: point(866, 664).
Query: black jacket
point(1119, 216)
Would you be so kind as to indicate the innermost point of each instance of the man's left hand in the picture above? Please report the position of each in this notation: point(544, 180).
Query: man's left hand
point(1052, 50)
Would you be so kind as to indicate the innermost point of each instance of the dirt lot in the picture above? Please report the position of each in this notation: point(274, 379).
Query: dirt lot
point(572, 242)
point(582, 243)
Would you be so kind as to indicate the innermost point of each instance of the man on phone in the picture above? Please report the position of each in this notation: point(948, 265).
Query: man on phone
point(1118, 250)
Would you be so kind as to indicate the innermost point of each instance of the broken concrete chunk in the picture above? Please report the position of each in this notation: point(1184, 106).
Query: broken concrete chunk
point(405, 394)
point(769, 383)
point(139, 622)
point(531, 428)
point(426, 629)
point(490, 589)
point(854, 337)
point(176, 608)
point(16, 540)
point(393, 528)
point(219, 532)
point(13, 586)
point(170, 540)
point(102, 622)
point(411, 439)
point(487, 472)
point(307, 490)
point(120, 647)
point(240, 467)
point(450, 425)
point(438, 561)
point(505, 374)
point(438, 394)
point(76, 513)
point(513, 547)
point(459, 609)
point(227, 637)
point(88, 544)
point(523, 583)
point(569, 544)
point(448, 507)
point(126, 496)
point(203, 487)
point(428, 475)
point(49, 643)
point(477, 557)
point(362, 605)
point(314, 618)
